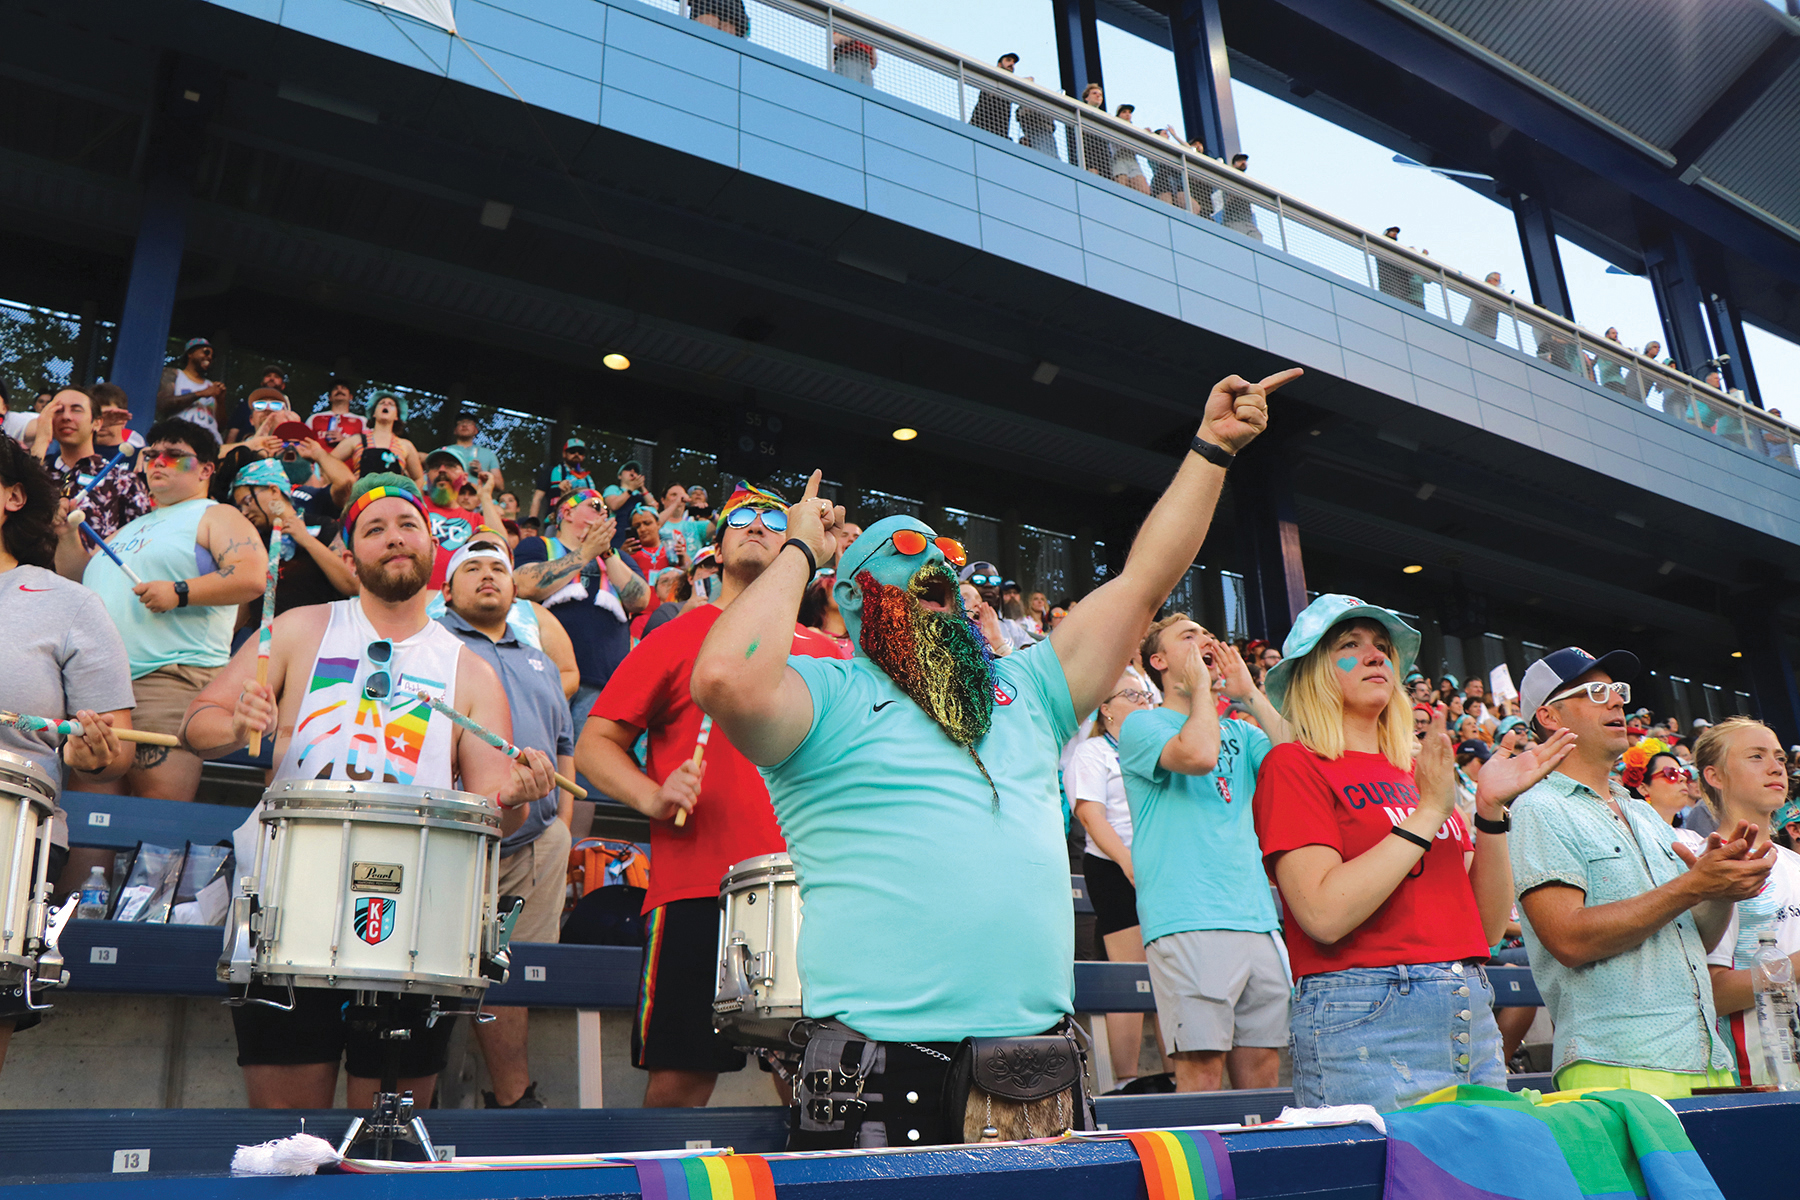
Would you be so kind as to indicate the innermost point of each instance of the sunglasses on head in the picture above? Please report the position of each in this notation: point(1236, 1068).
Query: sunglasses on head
point(1597, 691)
point(774, 519)
point(380, 683)
point(911, 541)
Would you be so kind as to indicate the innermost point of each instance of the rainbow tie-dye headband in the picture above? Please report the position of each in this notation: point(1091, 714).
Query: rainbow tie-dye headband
point(748, 493)
point(380, 491)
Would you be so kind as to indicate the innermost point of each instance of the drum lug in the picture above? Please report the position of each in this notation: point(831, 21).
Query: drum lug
point(242, 923)
point(507, 915)
point(735, 993)
point(48, 972)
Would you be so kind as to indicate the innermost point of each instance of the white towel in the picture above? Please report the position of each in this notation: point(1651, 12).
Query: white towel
point(1336, 1114)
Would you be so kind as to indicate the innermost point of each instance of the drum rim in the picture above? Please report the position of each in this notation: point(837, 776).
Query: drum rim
point(19, 770)
point(304, 975)
point(763, 866)
point(445, 807)
point(455, 820)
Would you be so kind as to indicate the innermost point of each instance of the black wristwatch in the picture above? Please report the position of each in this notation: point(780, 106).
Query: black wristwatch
point(1215, 454)
point(1503, 825)
point(181, 591)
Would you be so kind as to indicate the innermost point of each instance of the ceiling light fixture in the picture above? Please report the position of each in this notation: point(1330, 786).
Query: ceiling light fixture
point(904, 434)
point(1737, 654)
point(1413, 569)
point(616, 361)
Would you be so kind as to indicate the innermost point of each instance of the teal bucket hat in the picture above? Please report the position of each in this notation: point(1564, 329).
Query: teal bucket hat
point(264, 472)
point(1316, 620)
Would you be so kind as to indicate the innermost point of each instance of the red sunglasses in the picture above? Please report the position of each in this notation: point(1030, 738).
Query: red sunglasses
point(911, 541)
point(1671, 775)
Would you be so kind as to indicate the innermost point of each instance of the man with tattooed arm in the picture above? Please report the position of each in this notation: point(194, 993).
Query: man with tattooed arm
point(198, 560)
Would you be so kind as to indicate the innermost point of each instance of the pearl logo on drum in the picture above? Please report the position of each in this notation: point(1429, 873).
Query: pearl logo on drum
point(374, 920)
point(376, 877)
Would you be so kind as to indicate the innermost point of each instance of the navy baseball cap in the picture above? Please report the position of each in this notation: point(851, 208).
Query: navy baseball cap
point(1552, 671)
point(1476, 747)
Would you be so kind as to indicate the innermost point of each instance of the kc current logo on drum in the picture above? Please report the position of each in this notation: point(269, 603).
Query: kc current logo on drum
point(374, 921)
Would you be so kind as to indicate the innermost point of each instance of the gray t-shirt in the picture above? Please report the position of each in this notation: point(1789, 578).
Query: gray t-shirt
point(59, 654)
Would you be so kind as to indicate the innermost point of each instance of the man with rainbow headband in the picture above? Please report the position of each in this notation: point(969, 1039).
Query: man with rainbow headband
point(916, 785)
point(342, 703)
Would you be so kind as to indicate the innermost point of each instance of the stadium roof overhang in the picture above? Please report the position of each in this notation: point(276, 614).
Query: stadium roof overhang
point(1635, 119)
point(341, 212)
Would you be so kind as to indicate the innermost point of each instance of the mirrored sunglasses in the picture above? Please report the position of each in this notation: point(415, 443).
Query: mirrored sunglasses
point(774, 519)
point(380, 683)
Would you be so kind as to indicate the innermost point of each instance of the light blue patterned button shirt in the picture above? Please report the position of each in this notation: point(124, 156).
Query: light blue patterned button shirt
point(1650, 1006)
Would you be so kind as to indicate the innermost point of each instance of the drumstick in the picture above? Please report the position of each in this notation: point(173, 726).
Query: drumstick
point(699, 751)
point(73, 729)
point(80, 520)
point(497, 742)
point(268, 623)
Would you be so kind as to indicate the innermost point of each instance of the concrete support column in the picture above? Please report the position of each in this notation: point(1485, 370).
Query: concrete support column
point(1767, 660)
point(1543, 262)
point(1727, 326)
point(1274, 576)
point(1678, 300)
point(1203, 76)
point(186, 92)
point(1077, 44)
point(142, 349)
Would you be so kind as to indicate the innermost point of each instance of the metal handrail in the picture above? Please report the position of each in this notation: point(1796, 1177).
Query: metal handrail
point(1241, 195)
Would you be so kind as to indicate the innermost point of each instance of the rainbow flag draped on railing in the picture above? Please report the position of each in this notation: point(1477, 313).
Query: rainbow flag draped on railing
point(1184, 1164)
point(706, 1177)
point(1478, 1143)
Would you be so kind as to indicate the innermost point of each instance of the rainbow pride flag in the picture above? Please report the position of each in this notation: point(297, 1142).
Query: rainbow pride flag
point(706, 1177)
point(1184, 1164)
point(1478, 1143)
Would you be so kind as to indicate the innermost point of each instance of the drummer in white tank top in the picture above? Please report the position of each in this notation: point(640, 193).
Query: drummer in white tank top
point(319, 666)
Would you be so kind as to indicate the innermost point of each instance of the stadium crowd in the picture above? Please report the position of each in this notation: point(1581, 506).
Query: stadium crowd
point(1314, 846)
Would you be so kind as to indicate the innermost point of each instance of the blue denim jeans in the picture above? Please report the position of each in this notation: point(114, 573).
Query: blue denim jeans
point(1388, 1035)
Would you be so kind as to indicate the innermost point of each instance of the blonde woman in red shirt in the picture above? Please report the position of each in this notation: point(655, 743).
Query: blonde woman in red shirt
point(1390, 902)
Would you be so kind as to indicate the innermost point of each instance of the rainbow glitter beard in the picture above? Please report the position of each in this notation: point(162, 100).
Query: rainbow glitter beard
point(940, 660)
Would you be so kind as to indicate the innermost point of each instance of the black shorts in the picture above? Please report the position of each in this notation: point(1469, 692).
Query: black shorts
point(1113, 897)
point(674, 1026)
point(326, 1025)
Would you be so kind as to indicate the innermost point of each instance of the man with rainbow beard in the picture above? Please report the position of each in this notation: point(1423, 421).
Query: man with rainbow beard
point(342, 703)
point(916, 786)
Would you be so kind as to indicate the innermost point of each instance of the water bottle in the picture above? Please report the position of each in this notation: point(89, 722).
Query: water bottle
point(94, 895)
point(1772, 981)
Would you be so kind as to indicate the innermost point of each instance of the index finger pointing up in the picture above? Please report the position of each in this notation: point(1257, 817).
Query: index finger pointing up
point(1280, 377)
point(812, 486)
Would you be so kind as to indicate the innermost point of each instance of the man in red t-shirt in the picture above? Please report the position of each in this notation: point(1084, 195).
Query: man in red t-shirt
point(451, 523)
point(730, 819)
point(337, 422)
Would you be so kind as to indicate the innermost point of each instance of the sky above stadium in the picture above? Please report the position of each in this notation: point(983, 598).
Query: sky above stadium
point(1330, 168)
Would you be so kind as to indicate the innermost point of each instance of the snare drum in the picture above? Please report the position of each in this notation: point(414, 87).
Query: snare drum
point(758, 999)
point(369, 887)
point(27, 800)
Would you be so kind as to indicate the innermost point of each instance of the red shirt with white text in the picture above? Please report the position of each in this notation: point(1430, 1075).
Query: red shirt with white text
point(1350, 804)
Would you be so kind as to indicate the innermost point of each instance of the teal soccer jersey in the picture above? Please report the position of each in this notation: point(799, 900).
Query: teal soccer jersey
point(929, 915)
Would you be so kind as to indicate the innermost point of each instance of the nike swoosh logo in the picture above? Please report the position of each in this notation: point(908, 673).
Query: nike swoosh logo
point(884, 704)
point(23, 588)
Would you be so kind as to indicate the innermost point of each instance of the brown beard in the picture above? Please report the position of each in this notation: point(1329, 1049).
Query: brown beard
point(940, 660)
point(385, 587)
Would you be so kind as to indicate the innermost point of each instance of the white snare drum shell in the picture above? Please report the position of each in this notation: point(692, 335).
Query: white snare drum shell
point(410, 887)
point(759, 994)
point(27, 800)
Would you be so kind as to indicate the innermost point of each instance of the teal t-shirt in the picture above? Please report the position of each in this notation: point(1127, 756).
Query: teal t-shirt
point(1193, 837)
point(929, 916)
